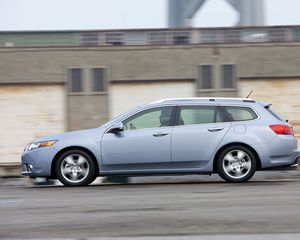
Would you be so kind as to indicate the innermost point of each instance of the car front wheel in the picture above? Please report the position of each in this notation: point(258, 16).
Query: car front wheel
point(236, 164)
point(75, 168)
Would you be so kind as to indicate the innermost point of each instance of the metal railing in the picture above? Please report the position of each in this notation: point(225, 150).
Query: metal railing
point(143, 37)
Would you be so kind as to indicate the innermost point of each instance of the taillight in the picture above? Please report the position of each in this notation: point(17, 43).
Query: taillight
point(282, 129)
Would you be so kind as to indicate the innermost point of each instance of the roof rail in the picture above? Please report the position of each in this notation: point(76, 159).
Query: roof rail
point(209, 99)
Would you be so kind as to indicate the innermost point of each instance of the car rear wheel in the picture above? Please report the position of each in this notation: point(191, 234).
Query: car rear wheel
point(236, 164)
point(75, 168)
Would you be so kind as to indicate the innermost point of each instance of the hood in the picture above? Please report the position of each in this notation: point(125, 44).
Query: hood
point(72, 134)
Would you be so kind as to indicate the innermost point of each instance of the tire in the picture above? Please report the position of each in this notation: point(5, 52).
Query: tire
point(236, 164)
point(75, 168)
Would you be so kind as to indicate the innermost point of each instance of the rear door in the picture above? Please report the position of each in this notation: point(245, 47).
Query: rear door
point(199, 130)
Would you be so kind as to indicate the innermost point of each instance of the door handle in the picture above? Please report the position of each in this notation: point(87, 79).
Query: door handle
point(160, 134)
point(215, 129)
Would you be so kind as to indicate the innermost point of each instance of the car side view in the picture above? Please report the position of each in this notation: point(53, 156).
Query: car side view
point(233, 137)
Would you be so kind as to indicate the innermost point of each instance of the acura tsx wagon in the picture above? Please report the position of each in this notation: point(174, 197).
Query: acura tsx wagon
point(231, 137)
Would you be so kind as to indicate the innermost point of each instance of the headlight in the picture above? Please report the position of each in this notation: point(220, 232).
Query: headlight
point(32, 146)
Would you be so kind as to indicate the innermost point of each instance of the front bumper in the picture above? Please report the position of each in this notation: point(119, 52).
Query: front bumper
point(38, 162)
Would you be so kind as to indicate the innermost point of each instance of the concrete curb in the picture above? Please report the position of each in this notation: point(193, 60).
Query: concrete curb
point(10, 169)
point(295, 236)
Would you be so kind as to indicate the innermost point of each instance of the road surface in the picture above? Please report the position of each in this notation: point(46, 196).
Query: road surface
point(152, 208)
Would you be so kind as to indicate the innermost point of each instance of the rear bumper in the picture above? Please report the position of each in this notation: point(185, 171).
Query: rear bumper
point(279, 153)
point(284, 160)
point(297, 160)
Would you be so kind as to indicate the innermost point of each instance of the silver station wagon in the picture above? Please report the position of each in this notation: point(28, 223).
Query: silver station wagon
point(229, 136)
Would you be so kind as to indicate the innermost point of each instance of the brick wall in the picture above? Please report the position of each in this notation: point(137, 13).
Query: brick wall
point(284, 94)
point(28, 112)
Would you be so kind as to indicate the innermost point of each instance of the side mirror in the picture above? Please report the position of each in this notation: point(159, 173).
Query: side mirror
point(119, 127)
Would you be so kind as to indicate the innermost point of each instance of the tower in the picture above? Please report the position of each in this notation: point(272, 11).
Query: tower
point(181, 12)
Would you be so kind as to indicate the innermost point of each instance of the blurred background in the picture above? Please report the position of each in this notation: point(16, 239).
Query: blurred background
point(68, 65)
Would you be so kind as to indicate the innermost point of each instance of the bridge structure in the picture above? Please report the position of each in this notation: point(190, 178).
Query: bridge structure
point(181, 12)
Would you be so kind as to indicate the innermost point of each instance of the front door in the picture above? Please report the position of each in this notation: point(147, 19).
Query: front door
point(143, 145)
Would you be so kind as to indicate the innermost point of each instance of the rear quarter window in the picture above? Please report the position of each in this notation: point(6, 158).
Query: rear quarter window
point(240, 113)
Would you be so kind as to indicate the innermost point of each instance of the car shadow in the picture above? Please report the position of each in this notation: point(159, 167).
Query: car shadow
point(268, 182)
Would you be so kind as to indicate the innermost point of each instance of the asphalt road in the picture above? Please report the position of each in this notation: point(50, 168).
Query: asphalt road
point(198, 207)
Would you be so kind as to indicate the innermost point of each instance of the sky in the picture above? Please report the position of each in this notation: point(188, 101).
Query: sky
point(121, 14)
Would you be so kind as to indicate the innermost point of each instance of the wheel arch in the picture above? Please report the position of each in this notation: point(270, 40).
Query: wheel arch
point(257, 158)
point(56, 157)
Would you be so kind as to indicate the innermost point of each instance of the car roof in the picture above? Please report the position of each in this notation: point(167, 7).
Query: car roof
point(203, 100)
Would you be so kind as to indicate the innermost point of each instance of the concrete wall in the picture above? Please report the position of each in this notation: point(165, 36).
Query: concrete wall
point(128, 95)
point(86, 111)
point(155, 62)
point(28, 112)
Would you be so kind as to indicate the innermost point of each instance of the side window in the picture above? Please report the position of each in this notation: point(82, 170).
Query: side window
point(199, 115)
point(240, 113)
point(151, 118)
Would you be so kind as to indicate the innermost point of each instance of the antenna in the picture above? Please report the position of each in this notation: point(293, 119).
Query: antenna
point(249, 94)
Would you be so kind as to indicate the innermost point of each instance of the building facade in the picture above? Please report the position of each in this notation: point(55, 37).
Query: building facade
point(59, 81)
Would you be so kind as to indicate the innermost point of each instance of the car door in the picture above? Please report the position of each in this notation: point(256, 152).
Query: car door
point(198, 132)
point(144, 144)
